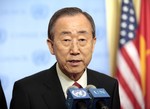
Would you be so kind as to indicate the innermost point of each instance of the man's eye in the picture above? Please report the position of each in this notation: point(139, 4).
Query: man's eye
point(66, 40)
point(82, 40)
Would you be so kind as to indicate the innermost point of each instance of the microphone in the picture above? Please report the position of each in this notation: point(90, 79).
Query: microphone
point(100, 98)
point(77, 98)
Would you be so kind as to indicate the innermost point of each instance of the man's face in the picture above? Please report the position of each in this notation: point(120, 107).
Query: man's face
point(73, 43)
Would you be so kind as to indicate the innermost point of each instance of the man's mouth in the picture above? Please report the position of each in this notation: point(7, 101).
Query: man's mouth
point(74, 62)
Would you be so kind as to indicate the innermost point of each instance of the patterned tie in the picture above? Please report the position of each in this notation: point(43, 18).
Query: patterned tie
point(77, 84)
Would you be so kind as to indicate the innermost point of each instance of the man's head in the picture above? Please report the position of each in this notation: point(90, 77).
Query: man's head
point(68, 12)
point(71, 38)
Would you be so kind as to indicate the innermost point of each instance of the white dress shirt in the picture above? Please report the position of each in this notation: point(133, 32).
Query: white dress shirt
point(67, 82)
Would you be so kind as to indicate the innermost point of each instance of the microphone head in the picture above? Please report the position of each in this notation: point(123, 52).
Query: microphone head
point(99, 93)
point(76, 95)
point(100, 98)
point(90, 86)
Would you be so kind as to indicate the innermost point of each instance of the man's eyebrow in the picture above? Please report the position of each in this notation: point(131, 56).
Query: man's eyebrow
point(82, 31)
point(65, 32)
point(78, 32)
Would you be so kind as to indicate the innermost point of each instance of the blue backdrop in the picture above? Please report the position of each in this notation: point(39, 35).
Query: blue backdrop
point(23, 34)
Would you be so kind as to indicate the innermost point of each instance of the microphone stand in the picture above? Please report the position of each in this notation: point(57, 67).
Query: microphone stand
point(81, 105)
point(100, 105)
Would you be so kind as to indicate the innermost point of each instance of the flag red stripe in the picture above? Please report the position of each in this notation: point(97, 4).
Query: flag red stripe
point(127, 90)
point(130, 63)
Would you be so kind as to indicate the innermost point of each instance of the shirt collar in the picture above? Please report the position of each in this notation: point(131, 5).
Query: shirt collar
point(67, 82)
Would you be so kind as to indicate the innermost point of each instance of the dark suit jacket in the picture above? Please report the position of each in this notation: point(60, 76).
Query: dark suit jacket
point(43, 90)
point(3, 104)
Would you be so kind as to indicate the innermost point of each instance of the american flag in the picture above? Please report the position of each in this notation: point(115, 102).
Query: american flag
point(128, 60)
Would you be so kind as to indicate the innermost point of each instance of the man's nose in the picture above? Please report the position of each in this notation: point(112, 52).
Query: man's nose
point(74, 48)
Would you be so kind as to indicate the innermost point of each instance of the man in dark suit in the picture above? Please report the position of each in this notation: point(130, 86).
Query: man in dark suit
point(71, 38)
point(3, 104)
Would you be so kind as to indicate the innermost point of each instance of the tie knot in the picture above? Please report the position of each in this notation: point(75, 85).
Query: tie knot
point(77, 84)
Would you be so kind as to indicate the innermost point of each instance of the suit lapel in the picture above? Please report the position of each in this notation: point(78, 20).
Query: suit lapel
point(53, 96)
point(91, 79)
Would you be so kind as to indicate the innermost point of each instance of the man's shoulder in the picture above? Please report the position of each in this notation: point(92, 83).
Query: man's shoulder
point(100, 76)
point(32, 79)
point(101, 80)
point(37, 77)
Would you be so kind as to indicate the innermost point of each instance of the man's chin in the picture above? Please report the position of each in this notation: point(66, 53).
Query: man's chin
point(75, 75)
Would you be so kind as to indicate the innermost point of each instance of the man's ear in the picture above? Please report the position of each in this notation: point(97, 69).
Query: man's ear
point(94, 42)
point(50, 46)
